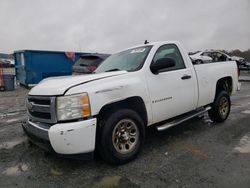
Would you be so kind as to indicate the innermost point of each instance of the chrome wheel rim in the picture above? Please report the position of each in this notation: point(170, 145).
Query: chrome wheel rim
point(125, 136)
point(224, 107)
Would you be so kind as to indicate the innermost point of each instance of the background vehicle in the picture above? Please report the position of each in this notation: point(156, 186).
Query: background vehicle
point(199, 58)
point(149, 85)
point(6, 63)
point(218, 56)
point(88, 63)
point(244, 65)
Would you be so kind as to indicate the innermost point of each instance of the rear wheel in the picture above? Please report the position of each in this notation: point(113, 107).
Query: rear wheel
point(121, 136)
point(220, 108)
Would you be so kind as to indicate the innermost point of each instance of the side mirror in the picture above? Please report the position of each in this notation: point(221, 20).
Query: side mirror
point(161, 64)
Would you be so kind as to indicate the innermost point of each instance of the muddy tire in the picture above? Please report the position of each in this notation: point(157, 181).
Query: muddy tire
point(121, 136)
point(220, 108)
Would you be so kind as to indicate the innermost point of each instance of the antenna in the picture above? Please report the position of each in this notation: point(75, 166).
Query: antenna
point(146, 42)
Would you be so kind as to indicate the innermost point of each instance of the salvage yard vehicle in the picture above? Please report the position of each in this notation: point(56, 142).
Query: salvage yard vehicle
point(245, 66)
point(199, 58)
point(88, 63)
point(149, 85)
point(218, 56)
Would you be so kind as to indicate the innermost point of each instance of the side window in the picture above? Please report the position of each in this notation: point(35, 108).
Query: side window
point(206, 54)
point(213, 55)
point(216, 56)
point(170, 51)
point(222, 57)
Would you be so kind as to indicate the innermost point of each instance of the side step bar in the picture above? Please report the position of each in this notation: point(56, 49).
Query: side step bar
point(182, 119)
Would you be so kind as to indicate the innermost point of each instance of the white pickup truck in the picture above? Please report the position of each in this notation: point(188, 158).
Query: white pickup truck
point(149, 85)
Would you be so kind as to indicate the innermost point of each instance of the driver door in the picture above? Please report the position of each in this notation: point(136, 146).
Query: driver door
point(173, 90)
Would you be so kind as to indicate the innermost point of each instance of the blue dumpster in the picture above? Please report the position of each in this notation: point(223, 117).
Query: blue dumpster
point(33, 65)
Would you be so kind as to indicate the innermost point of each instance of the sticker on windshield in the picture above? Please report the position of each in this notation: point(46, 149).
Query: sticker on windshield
point(138, 50)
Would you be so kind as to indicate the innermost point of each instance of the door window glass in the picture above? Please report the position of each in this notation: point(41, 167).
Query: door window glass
point(170, 51)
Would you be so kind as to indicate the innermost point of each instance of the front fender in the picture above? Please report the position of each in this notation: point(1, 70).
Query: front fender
point(111, 90)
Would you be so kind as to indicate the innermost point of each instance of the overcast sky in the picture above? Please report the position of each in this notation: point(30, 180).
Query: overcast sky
point(111, 25)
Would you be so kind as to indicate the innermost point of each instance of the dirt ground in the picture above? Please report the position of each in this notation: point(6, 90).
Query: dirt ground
point(197, 153)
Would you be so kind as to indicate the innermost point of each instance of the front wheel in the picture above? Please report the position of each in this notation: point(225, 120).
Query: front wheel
point(220, 108)
point(122, 135)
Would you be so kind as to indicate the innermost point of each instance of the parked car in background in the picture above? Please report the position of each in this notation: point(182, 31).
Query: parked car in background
point(6, 63)
point(245, 66)
point(199, 58)
point(88, 63)
point(238, 59)
point(7, 60)
point(219, 56)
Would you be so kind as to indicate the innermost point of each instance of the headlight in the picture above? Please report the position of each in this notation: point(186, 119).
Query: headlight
point(73, 107)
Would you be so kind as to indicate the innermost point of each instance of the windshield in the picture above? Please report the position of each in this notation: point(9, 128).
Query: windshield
point(128, 60)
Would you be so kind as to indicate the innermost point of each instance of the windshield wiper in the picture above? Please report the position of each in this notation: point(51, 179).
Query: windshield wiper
point(112, 70)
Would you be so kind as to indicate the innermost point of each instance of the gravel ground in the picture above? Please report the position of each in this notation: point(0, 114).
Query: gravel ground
point(197, 153)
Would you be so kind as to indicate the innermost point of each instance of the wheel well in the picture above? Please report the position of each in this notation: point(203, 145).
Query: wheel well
point(225, 84)
point(134, 103)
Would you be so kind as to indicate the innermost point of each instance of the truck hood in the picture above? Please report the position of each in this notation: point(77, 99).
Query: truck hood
point(59, 85)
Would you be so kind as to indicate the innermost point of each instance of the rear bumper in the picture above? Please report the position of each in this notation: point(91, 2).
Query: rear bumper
point(75, 138)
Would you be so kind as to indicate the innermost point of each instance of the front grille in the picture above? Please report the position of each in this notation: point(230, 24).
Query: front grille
point(45, 101)
point(42, 115)
point(41, 109)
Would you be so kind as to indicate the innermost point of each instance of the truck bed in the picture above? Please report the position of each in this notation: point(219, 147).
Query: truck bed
point(208, 75)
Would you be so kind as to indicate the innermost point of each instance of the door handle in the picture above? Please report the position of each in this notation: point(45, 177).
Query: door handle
point(185, 77)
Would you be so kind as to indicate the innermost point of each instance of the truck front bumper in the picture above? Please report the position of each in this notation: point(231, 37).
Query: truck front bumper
point(64, 138)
